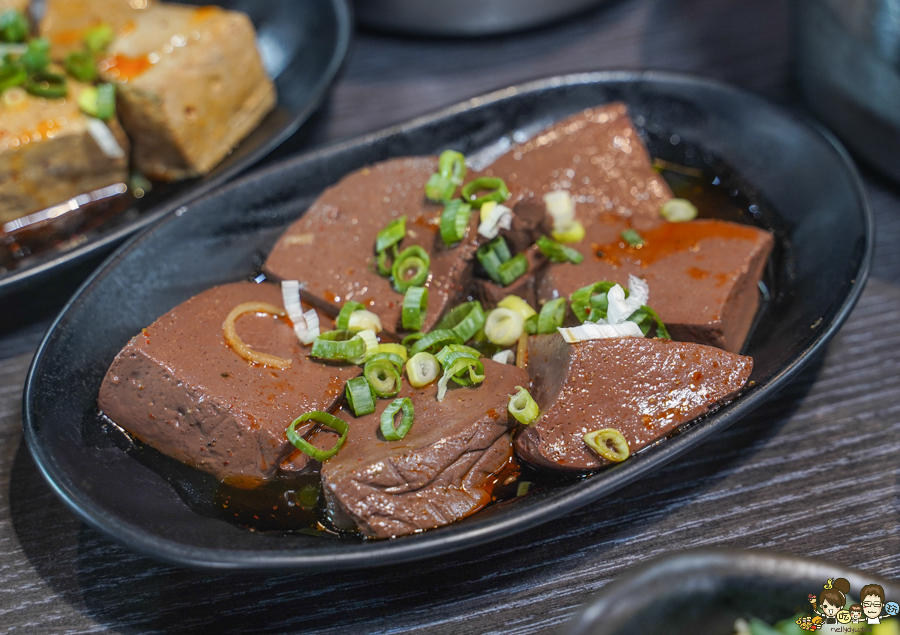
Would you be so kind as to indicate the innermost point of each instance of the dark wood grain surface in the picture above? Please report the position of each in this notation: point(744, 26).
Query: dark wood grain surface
point(814, 472)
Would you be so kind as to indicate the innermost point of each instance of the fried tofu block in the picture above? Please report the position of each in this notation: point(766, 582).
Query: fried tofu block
point(65, 21)
point(330, 249)
point(179, 387)
point(50, 152)
point(191, 86)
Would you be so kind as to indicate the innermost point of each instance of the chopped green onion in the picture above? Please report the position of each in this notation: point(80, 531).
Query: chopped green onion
point(342, 345)
point(552, 316)
point(492, 255)
point(465, 320)
point(396, 349)
point(517, 304)
point(81, 66)
point(422, 369)
point(494, 187)
point(342, 323)
point(99, 37)
point(523, 407)
point(645, 318)
point(678, 210)
point(393, 358)
point(330, 421)
point(435, 341)
point(591, 302)
point(410, 268)
point(391, 235)
point(381, 261)
point(504, 327)
point(574, 233)
point(408, 341)
point(99, 101)
point(12, 74)
point(36, 58)
point(523, 488)
point(388, 431)
point(451, 171)
point(561, 208)
point(383, 375)
point(608, 443)
point(13, 26)
point(363, 320)
point(513, 269)
point(465, 371)
point(451, 352)
point(360, 396)
point(454, 220)
point(633, 238)
point(50, 85)
point(415, 306)
point(557, 252)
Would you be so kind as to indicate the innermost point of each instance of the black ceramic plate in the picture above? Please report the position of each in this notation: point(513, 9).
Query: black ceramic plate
point(703, 592)
point(824, 245)
point(302, 45)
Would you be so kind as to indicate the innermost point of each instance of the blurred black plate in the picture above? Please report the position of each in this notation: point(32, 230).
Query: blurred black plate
point(824, 244)
point(302, 45)
point(703, 592)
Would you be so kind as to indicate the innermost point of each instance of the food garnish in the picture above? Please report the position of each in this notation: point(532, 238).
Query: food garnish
point(237, 344)
point(608, 443)
point(406, 419)
point(328, 420)
point(523, 407)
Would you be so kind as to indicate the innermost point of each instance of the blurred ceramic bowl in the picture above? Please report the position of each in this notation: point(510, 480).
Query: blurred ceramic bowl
point(463, 17)
point(848, 65)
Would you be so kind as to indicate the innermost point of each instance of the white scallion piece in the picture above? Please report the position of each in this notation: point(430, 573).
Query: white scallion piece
point(589, 331)
point(639, 293)
point(362, 319)
point(561, 208)
point(494, 217)
point(306, 325)
point(505, 357)
point(104, 138)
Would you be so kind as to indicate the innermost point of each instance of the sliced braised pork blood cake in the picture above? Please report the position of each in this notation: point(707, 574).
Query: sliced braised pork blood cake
point(644, 388)
point(330, 249)
point(438, 473)
point(180, 388)
point(703, 276)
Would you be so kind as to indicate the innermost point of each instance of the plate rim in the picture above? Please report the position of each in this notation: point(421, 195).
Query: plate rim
point(455, 536)
point(16, 281)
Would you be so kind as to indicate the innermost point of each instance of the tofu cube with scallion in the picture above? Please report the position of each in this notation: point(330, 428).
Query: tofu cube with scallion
point(50, 151)
point(65, 22)
point(191, 85)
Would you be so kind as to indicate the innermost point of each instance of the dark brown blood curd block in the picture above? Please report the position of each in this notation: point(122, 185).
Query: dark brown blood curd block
point(644, 388)
point(331, 248)
point(703, 276)
point(441, 471)
point(180, 388)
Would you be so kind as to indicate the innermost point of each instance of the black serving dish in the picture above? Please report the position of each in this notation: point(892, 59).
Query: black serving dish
point(824, 236)
point(703, 592)
point(302, 45)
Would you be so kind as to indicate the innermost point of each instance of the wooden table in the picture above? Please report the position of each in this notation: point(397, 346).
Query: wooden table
point(815, 472)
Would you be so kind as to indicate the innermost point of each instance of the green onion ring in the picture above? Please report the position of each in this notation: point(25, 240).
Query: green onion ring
point(411, 339)
point(523, 407)
point(342, 323)
point(13, 26)
point(391, 235)
point(608, 443)
point(465, 320)
point(453, 165)
point(415, 306)
point(50, 85)
point(558, 252)
point(396, 349)
point(461, 379)
point(452, 349)
point(494, 186)
point(513, 269)
point(12, 75)
point(36, 58)
point(383, 376)
point(388, 430)
point(590, 302)
point(454, 220)
point(339, 346)
point(106, 101)
point(473, 367)
point(360, 396)
point(338, 425)
point(81, 66)
point(531, 325)
point(422, 369)
point(633, 238)
point(393, 358)
point(413, 259)
point(492, 255)
point(435, 341)
point(552, 316)
point(98, 38)
point(439, 188)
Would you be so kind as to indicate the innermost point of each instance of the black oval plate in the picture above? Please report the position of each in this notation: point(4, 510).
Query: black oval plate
point(702, 592)
point(803, 173)
point(303, 45)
